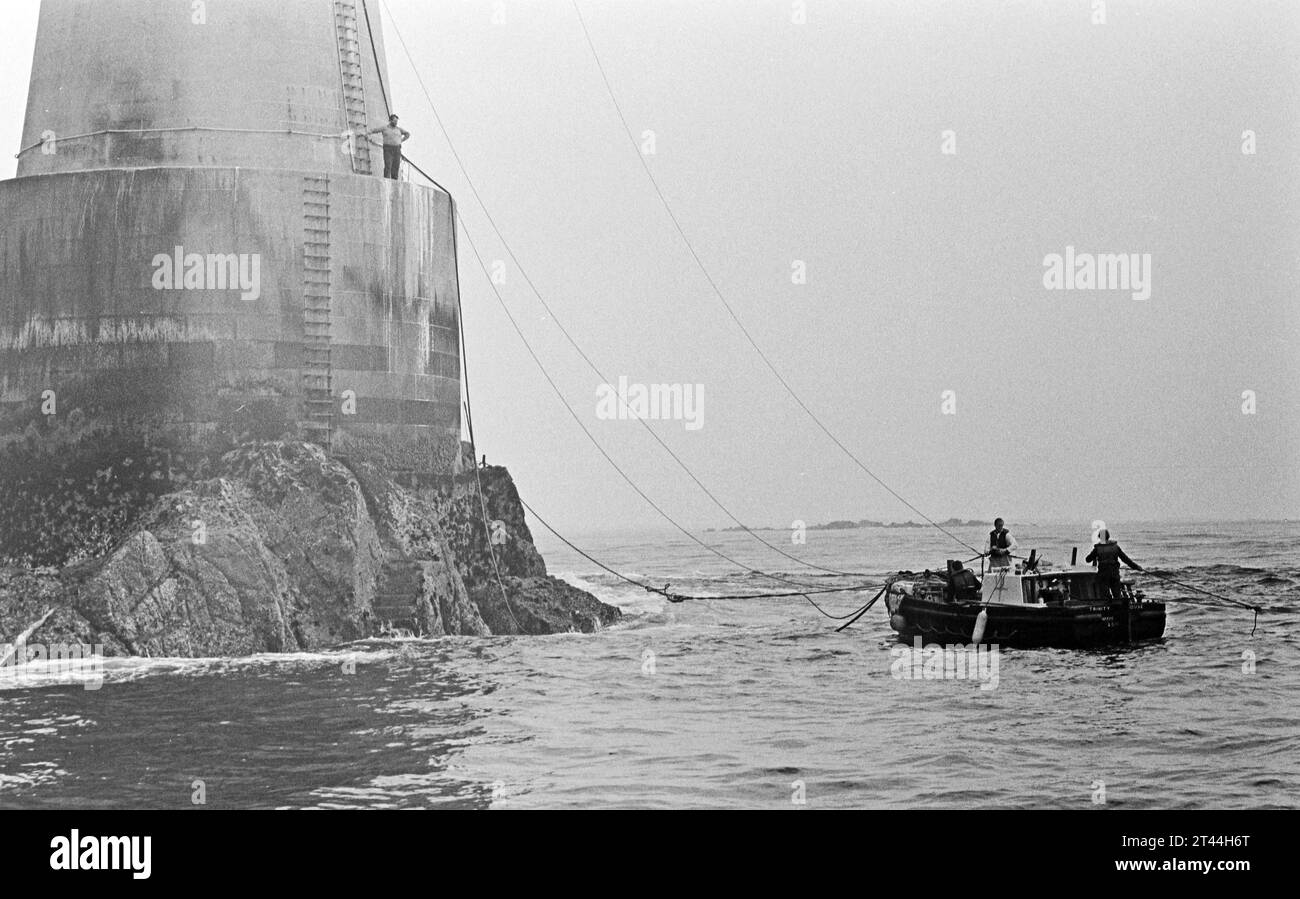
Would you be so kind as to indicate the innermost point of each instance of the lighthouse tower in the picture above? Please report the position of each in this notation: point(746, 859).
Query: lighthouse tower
point(197, 249)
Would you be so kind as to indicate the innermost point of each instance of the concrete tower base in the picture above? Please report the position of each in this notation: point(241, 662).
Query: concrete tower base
point(210, 306)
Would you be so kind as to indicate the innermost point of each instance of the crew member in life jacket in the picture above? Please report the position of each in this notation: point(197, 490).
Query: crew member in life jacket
point(1001, 543)
point(1108, 555)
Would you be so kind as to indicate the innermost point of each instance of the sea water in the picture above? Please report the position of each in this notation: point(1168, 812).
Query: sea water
point(709, 703)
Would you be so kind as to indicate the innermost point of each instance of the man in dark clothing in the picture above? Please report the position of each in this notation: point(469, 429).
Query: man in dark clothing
point(1108, 555)
point(1001, 543)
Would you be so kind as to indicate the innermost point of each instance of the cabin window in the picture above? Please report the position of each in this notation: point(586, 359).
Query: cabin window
point(1083, 589)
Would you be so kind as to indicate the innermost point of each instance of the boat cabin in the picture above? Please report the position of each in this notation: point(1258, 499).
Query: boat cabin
point(1047, 588)
point(1004, 586)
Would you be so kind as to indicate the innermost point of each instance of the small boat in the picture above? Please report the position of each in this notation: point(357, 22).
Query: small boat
point(1018, 607)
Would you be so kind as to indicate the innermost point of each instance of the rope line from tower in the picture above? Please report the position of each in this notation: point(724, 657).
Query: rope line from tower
point(568, 335)
point(680, 597)
point(667, 449)
point(681, 232)
point(805, 593)
point(591, 437)
point(374, 51)
point(555, 387)
point(469, 423)
point(560, 395)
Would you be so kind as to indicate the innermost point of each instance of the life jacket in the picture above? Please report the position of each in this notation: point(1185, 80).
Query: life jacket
point(1107, 555)
point(998, 539)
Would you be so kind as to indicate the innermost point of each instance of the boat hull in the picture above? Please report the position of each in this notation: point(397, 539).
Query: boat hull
point(1073, 625)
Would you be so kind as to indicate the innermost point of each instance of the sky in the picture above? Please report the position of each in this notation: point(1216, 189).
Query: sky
point(917, 162)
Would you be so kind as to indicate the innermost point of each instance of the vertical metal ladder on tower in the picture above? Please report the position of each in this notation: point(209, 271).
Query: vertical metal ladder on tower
point(317, 377)
point(354, 94)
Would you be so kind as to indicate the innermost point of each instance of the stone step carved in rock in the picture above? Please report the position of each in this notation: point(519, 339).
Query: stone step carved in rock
point(397, 594)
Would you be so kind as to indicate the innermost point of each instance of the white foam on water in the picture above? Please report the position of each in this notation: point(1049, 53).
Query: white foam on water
point(94, 671)
point(576, 580)
point(627, 597)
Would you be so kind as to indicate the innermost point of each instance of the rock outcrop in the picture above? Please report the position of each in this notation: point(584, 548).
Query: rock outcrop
point(277, 547)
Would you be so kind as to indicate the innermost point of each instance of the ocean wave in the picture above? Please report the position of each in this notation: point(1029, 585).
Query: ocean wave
point(1227, 569)
point(92, 673)
point(628, 598)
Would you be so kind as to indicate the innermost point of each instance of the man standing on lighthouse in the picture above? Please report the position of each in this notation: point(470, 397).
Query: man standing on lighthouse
point(394, 137)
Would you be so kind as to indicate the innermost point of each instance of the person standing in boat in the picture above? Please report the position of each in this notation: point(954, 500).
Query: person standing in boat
point(1001, 543)
point(1107, 555)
